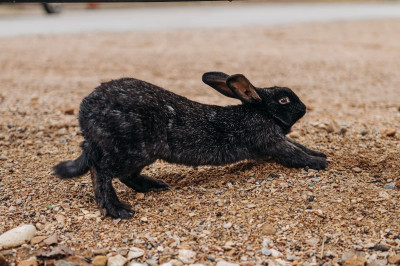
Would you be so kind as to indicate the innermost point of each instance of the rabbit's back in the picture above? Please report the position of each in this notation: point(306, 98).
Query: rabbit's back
point(116, 114)
point(136, 120)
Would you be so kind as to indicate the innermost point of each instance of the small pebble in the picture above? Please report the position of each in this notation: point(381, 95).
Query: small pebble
point(389, 132)
point(100, 260)
point(378, 247)
point(151, 262)
point(390, 186)
point(123, 251)
point(211, 258)
point(187, 256)
point(358, 247)
point(38, 239)
point(60, 218)
point(331, 254)
point(369, 245)
point(225, 263)
point(394, 259)
point(28, 262)
point(355, 261)
point(312, 241)
point(170, 263)
point(70, 111)
point(139, 196)
point(17, 236)
point(229, 245)
point(72, 261)
point(52, 240)
point(117, 260)
point(134, 263)
point(294, 135)
point(227, 225)
point(135, 252)
point(356, 170)
point(101, 251)
point(275, 253)
point(268, 229)
point(266, 252)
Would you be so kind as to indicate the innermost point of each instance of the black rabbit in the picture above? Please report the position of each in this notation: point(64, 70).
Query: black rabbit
point(127, 124)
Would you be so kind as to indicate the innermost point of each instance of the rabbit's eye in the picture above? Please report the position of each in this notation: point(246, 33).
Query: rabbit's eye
point(284, 100)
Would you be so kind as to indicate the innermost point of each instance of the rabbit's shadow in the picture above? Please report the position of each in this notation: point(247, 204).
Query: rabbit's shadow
point(208, 175)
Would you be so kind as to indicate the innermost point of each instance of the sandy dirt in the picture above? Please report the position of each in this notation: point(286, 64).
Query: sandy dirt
point(348, 75)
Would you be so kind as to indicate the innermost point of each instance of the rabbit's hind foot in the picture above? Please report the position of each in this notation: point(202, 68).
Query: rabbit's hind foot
point(106, 197)
point(118, 210)
point(143, 183)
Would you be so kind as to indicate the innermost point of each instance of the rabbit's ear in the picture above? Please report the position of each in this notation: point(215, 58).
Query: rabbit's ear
point(243, 89)
point(217, 80)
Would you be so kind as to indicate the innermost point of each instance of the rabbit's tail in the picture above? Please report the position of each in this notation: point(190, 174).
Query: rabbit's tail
point(73, 168)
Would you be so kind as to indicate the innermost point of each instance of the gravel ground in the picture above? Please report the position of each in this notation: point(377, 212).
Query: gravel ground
point(258, 212)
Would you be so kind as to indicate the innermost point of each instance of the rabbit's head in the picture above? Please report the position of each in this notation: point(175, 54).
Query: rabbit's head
point(279, 102)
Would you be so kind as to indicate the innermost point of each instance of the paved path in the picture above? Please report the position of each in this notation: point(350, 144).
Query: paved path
point(205, 15)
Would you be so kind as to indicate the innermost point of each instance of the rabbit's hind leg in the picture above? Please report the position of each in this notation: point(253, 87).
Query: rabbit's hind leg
point(106, 197)
point(143, 183)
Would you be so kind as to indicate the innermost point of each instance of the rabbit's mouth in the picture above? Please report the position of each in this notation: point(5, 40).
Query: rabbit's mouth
point(287, 120)
point(283, 122)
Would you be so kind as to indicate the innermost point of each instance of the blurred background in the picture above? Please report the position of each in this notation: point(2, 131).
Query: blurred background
point(30, 18)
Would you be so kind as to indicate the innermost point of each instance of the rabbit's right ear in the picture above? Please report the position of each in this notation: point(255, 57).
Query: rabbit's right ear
point(243, 89)
point(217, 80)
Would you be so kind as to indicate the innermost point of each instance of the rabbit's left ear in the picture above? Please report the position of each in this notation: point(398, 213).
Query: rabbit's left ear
point(217, 80)
point(243, 89)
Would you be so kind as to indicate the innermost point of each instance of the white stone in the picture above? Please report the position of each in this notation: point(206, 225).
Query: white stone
point(278, 262)
point(229, 245)
point(17, 236)
point(60, 218)
point(173, 263)
point(225, 263)
point(117, 260)
point(275, 253)
point(312, 241)
point(227, 225)
point(134, 263)
point(135, 252)
point(187, 256)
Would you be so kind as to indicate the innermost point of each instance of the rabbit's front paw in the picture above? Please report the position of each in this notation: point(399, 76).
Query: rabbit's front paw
point(119, 210)
point(143, 183)
point(147, 183)
point(318, 163)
